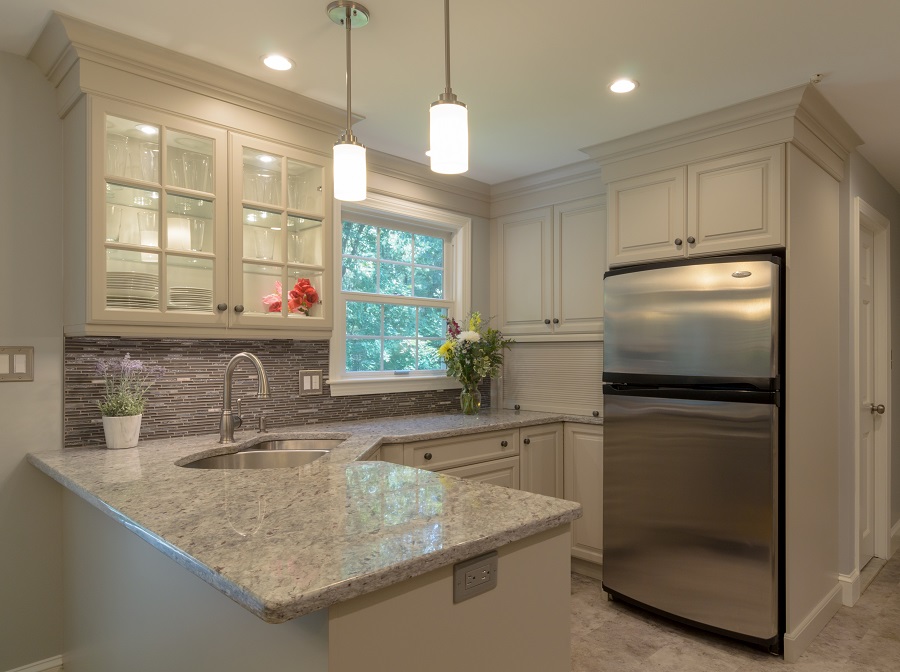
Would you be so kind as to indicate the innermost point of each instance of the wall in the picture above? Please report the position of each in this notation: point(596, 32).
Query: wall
point(869, 185)
point(30, 315)
point(187, 398)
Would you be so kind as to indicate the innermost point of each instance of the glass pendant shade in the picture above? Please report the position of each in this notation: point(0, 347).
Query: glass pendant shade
point(449, 138)
point(349, 171)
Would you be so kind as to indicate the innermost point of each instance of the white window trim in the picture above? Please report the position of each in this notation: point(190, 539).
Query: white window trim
point(460, 266)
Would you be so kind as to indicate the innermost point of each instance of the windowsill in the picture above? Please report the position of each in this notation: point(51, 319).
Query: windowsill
point(390, 384)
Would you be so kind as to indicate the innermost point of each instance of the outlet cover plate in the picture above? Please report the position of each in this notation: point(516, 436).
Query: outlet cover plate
point(474, 577)
point(310, 382)
point(16, 364)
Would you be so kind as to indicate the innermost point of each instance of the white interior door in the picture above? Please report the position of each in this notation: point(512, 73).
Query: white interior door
point(867, 352)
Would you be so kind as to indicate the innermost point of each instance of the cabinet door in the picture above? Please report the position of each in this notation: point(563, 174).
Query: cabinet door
point(541, 457)
point(158, 235)
point(580, 249)
point(503, 472)
point(646, 217)
point(737, 202)
point(280, 237)
point(526, 272)
point(584, 484)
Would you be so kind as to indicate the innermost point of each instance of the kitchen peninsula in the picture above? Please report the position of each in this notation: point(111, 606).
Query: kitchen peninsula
point(348, 560)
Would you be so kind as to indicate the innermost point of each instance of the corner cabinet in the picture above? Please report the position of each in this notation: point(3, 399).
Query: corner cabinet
point(728, 204)
point(541, 459)
point(551, 264)
point(174, 243)
point(584, 484)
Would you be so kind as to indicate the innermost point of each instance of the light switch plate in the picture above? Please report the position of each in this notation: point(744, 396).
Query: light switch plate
point(16, 364)
point(310, 382)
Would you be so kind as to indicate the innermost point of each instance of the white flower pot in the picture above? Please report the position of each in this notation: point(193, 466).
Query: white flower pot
point(122, 432)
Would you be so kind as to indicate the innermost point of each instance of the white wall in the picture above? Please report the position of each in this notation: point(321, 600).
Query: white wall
point(30, 315)
point(869, 185)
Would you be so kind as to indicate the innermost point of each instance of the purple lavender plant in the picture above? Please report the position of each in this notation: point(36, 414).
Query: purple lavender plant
point(126, 382)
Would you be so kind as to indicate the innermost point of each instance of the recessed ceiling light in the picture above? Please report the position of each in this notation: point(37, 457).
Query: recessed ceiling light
point(623, 86)
point(278, 62)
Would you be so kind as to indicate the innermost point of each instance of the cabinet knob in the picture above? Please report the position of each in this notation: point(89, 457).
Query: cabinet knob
point(222, 307)
point(596, 414)
point(239, 308)
point(504, 444)
point(517, 407)
point(678, 241)
point(546, 321)
point(555, 320)
point(427, 456)
point(691, 240)
point(526, 440)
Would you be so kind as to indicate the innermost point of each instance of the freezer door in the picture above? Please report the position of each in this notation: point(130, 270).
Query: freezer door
point(690, 510)
point(699, 321)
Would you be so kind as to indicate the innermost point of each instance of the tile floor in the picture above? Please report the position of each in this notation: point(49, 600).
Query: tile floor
point(610, 636)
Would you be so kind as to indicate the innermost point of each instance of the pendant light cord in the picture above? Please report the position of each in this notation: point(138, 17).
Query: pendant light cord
point(347, 23)
point(447, 43)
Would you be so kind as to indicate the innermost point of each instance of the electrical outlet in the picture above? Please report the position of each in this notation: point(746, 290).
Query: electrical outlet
point(310, 382)
point(474, 577)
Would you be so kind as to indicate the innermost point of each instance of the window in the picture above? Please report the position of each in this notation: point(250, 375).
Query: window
point(402, 269)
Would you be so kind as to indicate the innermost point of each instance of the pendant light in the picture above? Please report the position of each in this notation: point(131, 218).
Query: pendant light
point(349, 153)
point(449, 121)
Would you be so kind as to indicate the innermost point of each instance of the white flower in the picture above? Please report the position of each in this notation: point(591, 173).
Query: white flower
point(473, 336)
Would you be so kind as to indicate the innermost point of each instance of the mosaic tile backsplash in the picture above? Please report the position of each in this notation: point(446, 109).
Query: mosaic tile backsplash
point(187, 399)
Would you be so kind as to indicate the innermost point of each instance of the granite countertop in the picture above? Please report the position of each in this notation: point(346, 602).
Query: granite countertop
point(286, 542)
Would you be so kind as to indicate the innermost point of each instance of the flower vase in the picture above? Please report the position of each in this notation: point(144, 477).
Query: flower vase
point(470, 400)
point(122, 431)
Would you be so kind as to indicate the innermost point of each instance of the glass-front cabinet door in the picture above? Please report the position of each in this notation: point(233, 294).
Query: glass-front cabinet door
point(160, 220)
point(279, 243)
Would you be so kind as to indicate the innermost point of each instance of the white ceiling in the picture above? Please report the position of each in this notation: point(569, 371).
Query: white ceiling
point(534, 72)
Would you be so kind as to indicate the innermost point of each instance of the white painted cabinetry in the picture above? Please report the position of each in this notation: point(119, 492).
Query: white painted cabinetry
point(541, 458)
point(551, 263)
point(584, 484)
point(726, 204)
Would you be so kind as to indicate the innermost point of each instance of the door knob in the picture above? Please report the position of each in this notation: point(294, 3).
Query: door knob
point(877, 409)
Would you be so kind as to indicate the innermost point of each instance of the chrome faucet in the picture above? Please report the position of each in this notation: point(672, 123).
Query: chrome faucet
point(229, 422)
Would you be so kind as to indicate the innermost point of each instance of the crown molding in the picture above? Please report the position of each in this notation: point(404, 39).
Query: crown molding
point(65, 41)
point(573, 173)
point(765, 120)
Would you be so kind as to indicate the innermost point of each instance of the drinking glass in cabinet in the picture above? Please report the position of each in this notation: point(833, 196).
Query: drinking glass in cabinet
point(304, 184)
point(189, 224)
point(132, 280)
point(304, 241)
point(190, 284)
point(262, 235)
point(262, 177)
point(113, 222)
point(132, 149)
point(189, 161)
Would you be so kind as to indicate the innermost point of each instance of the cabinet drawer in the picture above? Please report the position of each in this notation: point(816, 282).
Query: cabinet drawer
point(503, 472)
point(460, 450)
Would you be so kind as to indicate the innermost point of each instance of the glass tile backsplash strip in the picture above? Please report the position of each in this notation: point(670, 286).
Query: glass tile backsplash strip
point(187, 399)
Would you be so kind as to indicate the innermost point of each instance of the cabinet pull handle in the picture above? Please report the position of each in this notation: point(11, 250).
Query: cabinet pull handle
point(526, 440)
point(239, 308)
point(222, 307)
point(555, 320)
point(691, 240)
point(427, 456)
point(678, 241)
point(546, 321)
point(504, 444)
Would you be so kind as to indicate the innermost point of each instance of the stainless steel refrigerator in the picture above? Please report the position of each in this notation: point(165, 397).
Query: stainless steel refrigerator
point(692, 443)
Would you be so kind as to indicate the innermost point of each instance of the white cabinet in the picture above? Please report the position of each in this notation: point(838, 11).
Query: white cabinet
point(584, 484)
point(728, 204)
point(551, 263)
point(164, 239)
point(541, 458)
point(503, 472)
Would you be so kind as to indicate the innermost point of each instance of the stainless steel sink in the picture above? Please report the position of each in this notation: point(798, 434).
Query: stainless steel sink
point(275, 454)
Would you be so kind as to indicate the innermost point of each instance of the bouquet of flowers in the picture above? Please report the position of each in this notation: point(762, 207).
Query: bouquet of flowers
point(471, 354)
point(126, 382)
point(300, 299)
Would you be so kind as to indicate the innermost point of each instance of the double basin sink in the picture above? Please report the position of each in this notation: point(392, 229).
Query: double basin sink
point(275, 454)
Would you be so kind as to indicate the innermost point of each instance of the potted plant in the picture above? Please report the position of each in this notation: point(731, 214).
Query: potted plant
point(126, 382)
point(471, 354)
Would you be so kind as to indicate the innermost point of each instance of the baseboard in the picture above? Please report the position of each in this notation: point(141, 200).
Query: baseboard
point(850, 588)
point(796, 642)
point(54, 664)
point(586, 568)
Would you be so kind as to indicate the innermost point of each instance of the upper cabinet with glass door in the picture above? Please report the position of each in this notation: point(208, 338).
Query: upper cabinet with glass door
point(279, 248)
point(161, 235)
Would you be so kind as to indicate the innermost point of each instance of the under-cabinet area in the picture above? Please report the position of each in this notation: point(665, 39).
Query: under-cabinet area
point(560, 459)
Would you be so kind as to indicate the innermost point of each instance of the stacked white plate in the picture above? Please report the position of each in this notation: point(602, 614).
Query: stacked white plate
point(190, 298)
point(125, 289)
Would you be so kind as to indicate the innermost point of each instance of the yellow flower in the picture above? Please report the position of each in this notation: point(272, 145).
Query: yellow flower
point(475, 321)
point(446, 348)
